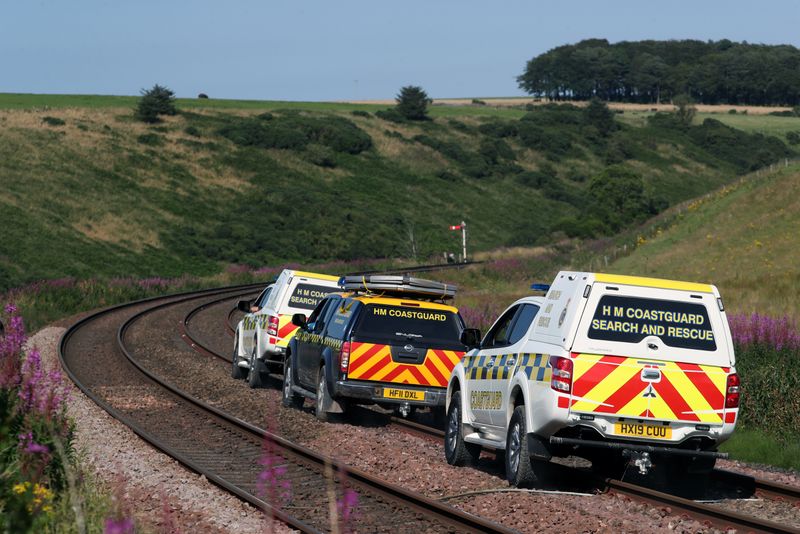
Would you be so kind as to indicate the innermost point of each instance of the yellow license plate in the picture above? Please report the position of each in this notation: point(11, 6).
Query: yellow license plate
point(642, 430)
point(403, 394)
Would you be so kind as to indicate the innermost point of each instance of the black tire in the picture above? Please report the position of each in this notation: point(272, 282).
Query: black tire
point(289, 398)
point(254, 373)
point(323, 396)
point(236, 372)
point(519, 467)
point(456, 450)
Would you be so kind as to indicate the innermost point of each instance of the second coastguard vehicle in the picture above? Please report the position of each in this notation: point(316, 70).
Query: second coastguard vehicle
point(385, 340)
point(262, 335)
point(618, 369)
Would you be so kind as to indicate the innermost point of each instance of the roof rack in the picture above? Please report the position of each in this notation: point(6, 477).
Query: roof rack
point(398, 285)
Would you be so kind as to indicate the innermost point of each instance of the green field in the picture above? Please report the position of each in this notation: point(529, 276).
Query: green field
point(89, 191)
point(742, 238)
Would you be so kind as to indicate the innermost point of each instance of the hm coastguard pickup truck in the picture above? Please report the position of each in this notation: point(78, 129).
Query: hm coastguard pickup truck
point(616, 369)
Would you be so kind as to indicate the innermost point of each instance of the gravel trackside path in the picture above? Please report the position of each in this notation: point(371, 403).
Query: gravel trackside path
point(363, 440)
point(113, 451)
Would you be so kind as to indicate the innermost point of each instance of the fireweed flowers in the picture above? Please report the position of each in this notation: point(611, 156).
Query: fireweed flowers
point(32, 419)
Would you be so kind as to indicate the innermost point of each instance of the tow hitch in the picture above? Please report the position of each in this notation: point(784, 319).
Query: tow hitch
point(404, 409)
point(640, 459)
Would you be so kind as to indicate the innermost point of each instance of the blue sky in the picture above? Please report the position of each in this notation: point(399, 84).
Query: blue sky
point(337, 50)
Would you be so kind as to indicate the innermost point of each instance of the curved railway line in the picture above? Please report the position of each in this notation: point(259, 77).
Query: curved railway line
point(200, 436)
point(702, 511)
point(228, 451)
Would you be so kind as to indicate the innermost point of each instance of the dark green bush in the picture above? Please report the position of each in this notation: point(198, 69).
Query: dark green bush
point(154, 102)
point(770, 381)
point(53, 121)
point(193, 131)
point(151, 139)
point(458, 125)
point(295, 131)
point(747, 151)
point(391, 115)
point(553, 143)
point(499, 129)
point(412, 103)
point(361, 113)
point(320, 155)
point(793, 138)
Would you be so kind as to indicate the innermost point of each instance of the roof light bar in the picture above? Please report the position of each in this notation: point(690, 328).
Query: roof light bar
point(540, 287)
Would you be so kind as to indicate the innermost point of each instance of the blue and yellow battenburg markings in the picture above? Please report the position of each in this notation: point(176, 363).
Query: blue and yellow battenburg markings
point(250, 322)
point(308, 337)
point(535, 366)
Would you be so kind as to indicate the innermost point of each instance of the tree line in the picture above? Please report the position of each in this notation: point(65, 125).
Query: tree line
point(712, 72)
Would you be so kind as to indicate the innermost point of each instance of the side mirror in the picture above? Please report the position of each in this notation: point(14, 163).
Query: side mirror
point(298, 319)
point(471, 338)
point(243, 305)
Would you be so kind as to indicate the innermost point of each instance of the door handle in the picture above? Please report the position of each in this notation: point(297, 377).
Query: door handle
point(490, 363)
point(511, 362)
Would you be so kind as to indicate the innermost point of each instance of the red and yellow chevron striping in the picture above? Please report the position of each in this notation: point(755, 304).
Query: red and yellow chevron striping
point(286, 330)
point(372, 361)
point(615, 385)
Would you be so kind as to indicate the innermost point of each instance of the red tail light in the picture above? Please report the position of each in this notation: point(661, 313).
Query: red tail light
point(272, 325)
point(561, 378)
point(344, 356)
point(732, 391)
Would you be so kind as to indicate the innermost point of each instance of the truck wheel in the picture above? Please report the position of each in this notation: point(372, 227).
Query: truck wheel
point(236, 371)
point(290, 399)
point(254, 373)
point(456, 450)
point(323, 396)
point(519, 468)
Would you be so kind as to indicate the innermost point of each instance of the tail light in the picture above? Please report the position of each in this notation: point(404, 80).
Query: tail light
point(732, 391)
point(272, 325)
point(344, 356)
point(561, 378)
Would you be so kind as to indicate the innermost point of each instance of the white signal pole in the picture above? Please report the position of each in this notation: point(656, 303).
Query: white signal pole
point(464, 240)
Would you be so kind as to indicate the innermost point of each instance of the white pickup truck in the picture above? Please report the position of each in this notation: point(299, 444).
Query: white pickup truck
point(617, 369)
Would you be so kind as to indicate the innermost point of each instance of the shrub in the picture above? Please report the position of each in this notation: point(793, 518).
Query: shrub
point(154, 102)
point(361, 113)
point(458, 125)
point(320, 155)
point(391, 115)
point(150, 139)
point(202, 96)
point(295, 131)
point(412, 103)
point(793, 138)
point(193, 131)
point(53, 121)
point(501, 129)
point(478, 102)
point(598, 115)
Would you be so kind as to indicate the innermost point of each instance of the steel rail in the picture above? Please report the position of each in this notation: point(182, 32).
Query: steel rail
point(702, 511)
point(443, 515)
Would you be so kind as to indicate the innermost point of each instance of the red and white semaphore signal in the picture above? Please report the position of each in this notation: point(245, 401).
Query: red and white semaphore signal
point(463, 228)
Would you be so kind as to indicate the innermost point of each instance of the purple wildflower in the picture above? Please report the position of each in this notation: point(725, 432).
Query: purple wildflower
point(27, 445)
point(118, 526)
point(347, 505)
point(757, 329)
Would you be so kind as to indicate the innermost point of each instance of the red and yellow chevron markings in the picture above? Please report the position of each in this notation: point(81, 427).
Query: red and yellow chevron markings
point(614, 385)
point(371, 361)
point(286, 330)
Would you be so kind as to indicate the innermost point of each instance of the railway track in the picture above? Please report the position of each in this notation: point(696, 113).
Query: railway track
point(231, 452)
point(706, 512)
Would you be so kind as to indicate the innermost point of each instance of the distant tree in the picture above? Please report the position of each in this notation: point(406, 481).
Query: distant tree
point(154, 102)
point(412, 103)
point(618, 197)
point(598, 115)
point(684, 109)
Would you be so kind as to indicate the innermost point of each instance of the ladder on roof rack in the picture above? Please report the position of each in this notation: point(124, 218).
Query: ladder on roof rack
point(396, 284)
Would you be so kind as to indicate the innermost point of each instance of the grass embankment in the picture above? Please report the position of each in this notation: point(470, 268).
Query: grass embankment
point(87, 191)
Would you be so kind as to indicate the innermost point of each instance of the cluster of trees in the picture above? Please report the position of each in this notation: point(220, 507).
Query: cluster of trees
point(713, 72)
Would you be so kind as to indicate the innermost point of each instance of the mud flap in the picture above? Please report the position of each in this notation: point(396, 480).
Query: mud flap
point(537, 448)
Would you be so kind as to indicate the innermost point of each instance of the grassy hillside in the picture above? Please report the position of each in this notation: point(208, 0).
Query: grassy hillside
point(743, 238)
point(85, 190)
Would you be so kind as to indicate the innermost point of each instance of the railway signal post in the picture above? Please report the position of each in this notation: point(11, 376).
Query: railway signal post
point(463, 228)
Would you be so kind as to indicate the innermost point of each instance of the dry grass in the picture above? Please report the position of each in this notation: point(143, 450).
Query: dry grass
point(119, 231)
point(522, 101)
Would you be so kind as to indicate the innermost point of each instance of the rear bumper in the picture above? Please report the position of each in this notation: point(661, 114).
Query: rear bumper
point(652, 449)
point(374, 392)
